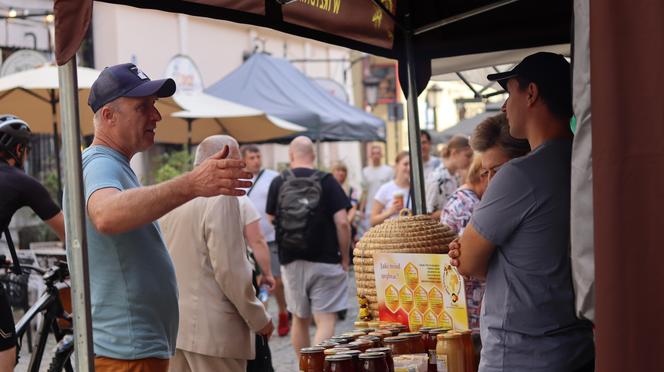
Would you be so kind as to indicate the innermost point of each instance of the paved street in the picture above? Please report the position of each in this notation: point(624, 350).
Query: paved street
point(283, 356)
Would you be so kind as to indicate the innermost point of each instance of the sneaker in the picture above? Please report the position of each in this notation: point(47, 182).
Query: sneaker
point(283, 327)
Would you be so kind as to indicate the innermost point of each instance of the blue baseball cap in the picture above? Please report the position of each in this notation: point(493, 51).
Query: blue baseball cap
point(126, 80)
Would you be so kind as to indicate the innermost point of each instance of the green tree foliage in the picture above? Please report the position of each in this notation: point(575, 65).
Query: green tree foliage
point(174, 164)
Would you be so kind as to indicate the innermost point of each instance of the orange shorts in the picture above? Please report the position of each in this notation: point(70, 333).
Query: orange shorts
point(103, 364)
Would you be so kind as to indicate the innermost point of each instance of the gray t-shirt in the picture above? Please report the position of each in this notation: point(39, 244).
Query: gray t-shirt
point(528, 321)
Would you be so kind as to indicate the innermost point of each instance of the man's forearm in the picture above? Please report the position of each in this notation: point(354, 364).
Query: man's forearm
point(262, 255)
point(475, 253)
point(130, 209)
point(343, 235)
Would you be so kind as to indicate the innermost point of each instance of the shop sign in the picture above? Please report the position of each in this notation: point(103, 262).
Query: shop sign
point(187, 77)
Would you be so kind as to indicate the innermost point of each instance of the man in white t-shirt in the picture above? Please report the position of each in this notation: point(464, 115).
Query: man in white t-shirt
point(251, 155)
point(374, 176)
point(429, 163)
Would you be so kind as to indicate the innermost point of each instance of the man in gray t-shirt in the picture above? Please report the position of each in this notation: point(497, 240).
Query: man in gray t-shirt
point(518, 237)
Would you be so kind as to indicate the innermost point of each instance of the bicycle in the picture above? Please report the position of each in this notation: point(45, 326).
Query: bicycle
point(55, 320)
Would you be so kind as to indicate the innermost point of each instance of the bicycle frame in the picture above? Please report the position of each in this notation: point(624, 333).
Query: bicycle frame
point(50, 303)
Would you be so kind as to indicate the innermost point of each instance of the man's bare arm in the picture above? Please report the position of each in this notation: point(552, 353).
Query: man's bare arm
point(343, 235)
point(113, 211)
point(57, 223)
point(472, 253)
point(256, 240)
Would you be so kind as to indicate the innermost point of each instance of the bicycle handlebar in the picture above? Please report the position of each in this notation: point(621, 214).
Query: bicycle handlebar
point(57, 272)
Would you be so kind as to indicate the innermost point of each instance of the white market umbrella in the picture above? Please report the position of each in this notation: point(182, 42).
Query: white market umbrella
point(33, 95)
point(207, 115)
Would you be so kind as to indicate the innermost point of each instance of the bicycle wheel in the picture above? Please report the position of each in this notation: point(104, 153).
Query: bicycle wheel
point(61, 359)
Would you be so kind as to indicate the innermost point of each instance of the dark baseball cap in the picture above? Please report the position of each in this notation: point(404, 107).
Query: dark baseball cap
point(544, 69)
point(126, 80)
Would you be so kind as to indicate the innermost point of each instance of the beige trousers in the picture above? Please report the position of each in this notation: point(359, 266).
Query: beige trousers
point(185, 361)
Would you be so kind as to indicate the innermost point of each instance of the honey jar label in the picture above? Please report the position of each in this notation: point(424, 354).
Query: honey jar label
point(430, 319)
point(412, 276)
point(444, 321)
point(441, 363)
point(406, 298)
point(392, 298)
point(436, 300)
point(421, 299)
point(419, 289)
point(415, 320)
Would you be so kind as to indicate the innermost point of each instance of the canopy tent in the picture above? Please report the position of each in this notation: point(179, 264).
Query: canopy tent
point(624, 47)
point(276, 87)
point(465, 127)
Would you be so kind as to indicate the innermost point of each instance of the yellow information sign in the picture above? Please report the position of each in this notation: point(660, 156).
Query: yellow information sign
point(420, 290)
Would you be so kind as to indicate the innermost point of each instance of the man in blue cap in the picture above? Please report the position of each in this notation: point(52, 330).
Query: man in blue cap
point(518, 236)
point(133, 285)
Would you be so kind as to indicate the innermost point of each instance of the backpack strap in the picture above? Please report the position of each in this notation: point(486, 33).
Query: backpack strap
point(287, 174)
point(258, 177)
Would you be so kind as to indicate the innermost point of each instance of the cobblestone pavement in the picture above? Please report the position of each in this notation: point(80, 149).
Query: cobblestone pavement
point(283, 355)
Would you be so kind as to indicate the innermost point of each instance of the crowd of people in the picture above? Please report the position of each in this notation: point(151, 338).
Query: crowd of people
point(177, 266)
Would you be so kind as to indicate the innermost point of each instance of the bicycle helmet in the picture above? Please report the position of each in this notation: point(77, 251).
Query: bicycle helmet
point(13, 131)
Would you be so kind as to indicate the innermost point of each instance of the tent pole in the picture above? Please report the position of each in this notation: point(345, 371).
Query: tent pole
point(414, 146)
point(189, 121)
point(56, 143)
point(75, 217)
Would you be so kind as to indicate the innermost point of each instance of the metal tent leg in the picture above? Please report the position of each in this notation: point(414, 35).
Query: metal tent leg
point(75, 217)
point(415, 149)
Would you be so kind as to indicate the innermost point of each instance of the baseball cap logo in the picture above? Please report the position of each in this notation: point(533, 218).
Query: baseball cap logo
point(141, 75)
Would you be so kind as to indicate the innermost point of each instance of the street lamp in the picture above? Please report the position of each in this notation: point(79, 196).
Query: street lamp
point(433, 94)
point(371, 84)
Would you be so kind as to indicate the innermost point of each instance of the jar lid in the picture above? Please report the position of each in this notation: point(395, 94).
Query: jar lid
point(370, 338)
point(312, 350)
point(330, 351)
point(341, 340)
point(351, 352)
point(425, 329)
point(386, 350)
point(328, 344)
point(372, 356)
point(350, 346)
point(338, 357)
point(437, 331)
point(450, 335)
point(395, 339)
point(410, 334)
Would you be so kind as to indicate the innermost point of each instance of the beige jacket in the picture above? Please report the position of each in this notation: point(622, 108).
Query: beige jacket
point(217, 301)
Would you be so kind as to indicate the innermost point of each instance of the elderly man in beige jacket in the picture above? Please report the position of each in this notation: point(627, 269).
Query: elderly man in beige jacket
point(219, 311)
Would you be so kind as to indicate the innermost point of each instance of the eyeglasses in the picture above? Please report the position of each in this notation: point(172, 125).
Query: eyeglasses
point(491, 171)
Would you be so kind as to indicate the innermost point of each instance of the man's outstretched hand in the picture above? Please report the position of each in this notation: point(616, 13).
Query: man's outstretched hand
point(218, 175)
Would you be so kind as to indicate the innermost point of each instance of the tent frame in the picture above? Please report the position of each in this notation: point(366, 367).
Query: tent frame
point(76, 236)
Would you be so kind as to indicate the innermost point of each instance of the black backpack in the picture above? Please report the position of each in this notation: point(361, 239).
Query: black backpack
point(297, 206)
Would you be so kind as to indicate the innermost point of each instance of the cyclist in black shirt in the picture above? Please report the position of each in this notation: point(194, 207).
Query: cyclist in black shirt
point(18, 190)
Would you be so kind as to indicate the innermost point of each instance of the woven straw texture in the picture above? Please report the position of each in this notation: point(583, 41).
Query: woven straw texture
point(405, 234)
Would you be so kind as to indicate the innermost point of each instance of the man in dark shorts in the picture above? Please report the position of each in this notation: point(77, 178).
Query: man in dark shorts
point(18, 190)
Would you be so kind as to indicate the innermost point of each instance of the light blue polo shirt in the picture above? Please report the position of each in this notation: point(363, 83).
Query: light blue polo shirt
point(132, 279)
